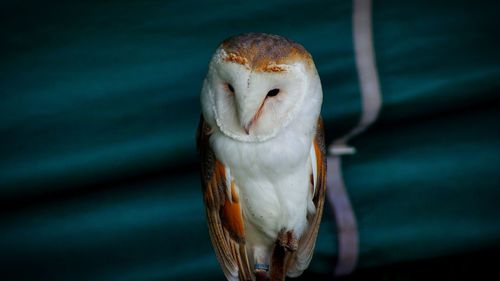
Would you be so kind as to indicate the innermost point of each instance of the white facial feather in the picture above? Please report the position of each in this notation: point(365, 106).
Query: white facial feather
point(231, 112)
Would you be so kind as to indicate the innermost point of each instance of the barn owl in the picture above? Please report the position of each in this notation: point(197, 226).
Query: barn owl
point(260, 140)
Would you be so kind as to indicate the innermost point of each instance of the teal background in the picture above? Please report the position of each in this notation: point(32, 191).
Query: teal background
point(99, 102)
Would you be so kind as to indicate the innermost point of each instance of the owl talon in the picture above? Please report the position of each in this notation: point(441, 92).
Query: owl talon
point(287, 240)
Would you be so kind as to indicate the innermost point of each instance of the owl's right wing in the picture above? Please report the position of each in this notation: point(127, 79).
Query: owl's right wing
point(224, 217)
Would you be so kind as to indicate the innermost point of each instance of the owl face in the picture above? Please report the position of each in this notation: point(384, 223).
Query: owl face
point(252, 91)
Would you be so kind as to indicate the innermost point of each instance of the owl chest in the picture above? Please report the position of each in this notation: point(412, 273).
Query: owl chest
point(272, 178)
point(271, 158)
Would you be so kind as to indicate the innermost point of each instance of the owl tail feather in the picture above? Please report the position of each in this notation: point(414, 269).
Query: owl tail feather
point(278, 263)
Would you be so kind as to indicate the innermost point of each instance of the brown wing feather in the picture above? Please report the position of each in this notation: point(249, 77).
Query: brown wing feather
point(299, 260)
point(225, 221)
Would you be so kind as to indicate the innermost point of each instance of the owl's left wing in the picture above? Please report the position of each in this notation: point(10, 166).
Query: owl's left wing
point(301, 258)
point(225, 221)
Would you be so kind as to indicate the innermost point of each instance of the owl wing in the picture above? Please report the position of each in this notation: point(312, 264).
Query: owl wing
point(224, 217)
point(301, 258)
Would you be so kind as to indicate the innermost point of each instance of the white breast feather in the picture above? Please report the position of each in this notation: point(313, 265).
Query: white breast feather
point(272, 177)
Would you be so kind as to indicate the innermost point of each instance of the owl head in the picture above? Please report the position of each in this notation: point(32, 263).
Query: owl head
point(257, 85)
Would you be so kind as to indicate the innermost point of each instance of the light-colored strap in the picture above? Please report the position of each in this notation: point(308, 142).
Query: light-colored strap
point(371, 97)
point(347, 230)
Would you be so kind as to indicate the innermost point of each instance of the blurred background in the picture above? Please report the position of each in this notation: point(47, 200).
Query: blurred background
point(99, 103)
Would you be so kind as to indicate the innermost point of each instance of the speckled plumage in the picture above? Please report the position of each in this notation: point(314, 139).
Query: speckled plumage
point(260, 51)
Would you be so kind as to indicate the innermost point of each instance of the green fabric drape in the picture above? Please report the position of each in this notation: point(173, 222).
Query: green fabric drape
point(99, 102)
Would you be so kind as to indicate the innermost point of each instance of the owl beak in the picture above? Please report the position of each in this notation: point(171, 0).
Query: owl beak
point(254, 118)
point(245, 124)
point(248, 113)
point(246, 119)
point(247, 127)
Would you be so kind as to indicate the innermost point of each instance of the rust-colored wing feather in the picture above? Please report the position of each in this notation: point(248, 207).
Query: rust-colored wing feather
point(225, 221)
point(300, 259)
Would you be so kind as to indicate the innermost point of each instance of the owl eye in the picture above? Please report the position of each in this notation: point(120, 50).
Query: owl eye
point(273, 92)
point(230, 88)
